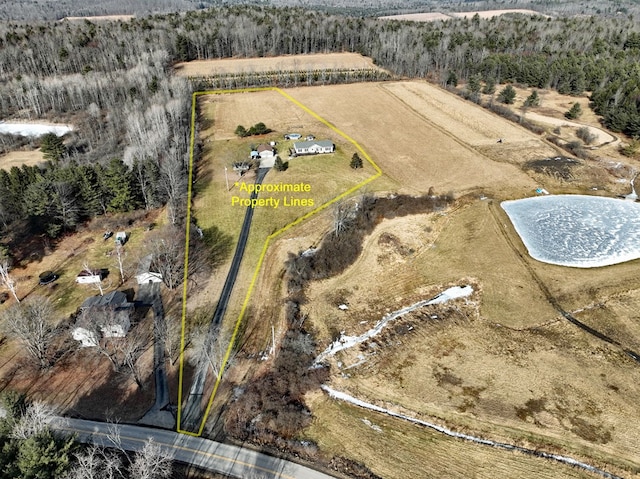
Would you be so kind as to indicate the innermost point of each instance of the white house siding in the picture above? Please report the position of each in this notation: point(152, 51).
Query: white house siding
point(87, 338)
point(313, 148)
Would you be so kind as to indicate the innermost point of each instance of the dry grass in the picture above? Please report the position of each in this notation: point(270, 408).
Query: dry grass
point(505, 364)
point(19, 158)
point(415, 149)
point(400, 450)
point(318, 61)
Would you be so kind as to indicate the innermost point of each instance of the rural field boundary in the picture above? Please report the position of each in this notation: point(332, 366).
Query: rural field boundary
point(238, 322)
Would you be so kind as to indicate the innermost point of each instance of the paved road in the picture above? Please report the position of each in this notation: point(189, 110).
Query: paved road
point(191, 416)
point(205, 454)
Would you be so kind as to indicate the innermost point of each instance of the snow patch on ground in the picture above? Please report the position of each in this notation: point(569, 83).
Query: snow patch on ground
point(346, 342)
point(33, 129)
point(577, 230)
point(467, 437)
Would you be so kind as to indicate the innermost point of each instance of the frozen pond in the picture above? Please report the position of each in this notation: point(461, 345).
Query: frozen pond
point(33, 129)
point(575, 230)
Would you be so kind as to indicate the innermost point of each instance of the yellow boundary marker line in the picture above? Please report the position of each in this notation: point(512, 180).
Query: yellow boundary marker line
point(264, 247)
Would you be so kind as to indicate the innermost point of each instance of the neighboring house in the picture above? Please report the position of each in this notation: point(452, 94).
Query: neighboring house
point(144, 274)
point(89, 277)
point(107, 316)
point(313, 147)
point(265, 151)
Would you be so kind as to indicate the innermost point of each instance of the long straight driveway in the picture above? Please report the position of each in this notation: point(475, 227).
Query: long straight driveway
point(192, 413)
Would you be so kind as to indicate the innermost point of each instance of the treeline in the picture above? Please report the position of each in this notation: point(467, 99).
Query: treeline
point(85, 66)
point(285, 79)
point(53, 199)
point(51, 10)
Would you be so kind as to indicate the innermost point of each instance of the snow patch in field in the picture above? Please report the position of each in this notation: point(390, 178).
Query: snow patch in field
point(346, 342)
point(33, 129)
point(577, 230)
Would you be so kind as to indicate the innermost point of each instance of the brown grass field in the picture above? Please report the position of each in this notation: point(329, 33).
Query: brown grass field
point(503, 364)
point(19, 158)
point(316, 61)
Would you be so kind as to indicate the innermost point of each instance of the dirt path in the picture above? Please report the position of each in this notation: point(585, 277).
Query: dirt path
point(602, 137)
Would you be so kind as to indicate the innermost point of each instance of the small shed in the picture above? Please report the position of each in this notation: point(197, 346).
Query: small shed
point(90, 277)
point(121, 237)
point(145, 274)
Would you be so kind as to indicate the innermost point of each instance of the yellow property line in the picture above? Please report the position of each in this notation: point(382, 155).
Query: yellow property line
point(264, 247)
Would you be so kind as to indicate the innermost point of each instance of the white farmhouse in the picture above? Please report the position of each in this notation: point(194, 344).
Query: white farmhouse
point(313, 147)
point(107, 316)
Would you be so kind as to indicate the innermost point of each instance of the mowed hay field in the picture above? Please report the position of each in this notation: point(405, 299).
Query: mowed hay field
point(420, 145)
point(318, 61)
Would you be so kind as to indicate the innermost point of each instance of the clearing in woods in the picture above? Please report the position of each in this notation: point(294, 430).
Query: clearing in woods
point(503, 364)
point(317, 61)
point(19, 158)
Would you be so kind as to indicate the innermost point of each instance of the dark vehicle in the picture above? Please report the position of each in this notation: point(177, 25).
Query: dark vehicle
point(107, 235)
point(47, 277)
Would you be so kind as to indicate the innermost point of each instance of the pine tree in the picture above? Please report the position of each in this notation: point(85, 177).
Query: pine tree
point(280, 165)
point(507, 95)
point(532, 100)
point(52, 147)
point(356, 161)
point(574, 112)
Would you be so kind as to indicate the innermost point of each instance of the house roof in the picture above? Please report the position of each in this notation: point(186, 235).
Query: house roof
point(309, 144)
point(100, 312)
point(264, 147)
point(112, 300)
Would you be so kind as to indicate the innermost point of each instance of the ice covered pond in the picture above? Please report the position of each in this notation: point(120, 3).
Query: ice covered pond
point(33, 129)
point(576, 230)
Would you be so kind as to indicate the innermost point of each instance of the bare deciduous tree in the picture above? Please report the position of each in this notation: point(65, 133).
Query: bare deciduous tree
point(343, 214)
point(98, 284)
point(30, 323)
point(211, 347)
point(5, 278)
point(120, 255)
point(96, 463)
point(151, 462)
point(35, 420)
